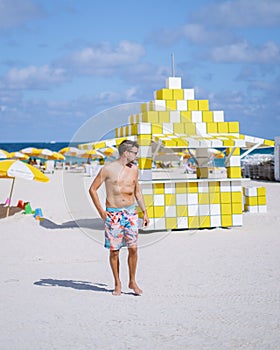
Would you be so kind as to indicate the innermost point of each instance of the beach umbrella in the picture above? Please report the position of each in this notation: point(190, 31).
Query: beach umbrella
point(110, 151)
point(46, 153)
point(30, 151)
point(70, 151)
point(91, 154)
point(212, 153)
point(17, 169)
point(4, 154)
point(19, 155)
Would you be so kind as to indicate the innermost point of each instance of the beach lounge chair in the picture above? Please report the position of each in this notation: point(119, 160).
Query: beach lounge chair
point(49, 167)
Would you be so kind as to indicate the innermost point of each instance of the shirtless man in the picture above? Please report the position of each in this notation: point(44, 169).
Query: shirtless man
point(120, 216)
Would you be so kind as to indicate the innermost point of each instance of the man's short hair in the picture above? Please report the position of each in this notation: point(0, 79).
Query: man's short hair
point(127, 145)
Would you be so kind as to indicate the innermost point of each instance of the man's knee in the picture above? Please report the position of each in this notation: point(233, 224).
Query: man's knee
point(132, 250)
point(114, 253)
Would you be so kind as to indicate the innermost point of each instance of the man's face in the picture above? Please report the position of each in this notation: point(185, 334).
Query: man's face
point(132, 155)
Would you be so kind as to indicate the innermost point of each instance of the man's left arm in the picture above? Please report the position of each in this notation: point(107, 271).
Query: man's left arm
point(140, 200)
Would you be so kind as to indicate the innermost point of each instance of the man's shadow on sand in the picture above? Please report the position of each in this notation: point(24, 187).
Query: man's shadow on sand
point(80, 285)
point(94, 224)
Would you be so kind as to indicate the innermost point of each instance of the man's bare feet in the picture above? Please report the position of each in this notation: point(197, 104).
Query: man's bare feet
point(117, 290)
point(135, 288)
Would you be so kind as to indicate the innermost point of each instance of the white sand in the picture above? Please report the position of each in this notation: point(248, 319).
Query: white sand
point(205, 289)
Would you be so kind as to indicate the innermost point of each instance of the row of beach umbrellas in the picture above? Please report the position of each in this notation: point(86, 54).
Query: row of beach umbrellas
point(12, 164)
point(46, 153)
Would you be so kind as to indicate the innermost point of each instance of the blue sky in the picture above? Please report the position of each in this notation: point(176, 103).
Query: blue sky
point(63, 61)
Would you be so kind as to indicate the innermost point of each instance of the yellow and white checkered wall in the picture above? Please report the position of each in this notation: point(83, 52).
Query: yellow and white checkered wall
point(191, 205)
point(255, 199)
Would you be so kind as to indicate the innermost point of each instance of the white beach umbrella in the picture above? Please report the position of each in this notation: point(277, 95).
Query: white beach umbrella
point(4, 154)
point(17, 169)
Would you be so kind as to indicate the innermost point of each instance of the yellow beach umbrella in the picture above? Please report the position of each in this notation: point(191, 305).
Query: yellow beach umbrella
point(4, 154)
point(70, 151)
point(91, 154)
point(17, 169)
point(19, 155)
point(46, 153)
point(212, 152)
point(110, 151)
point(30, 151)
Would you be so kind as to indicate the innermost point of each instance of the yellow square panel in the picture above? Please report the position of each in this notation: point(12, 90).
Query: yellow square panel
point(261, 191)
point(178, 94)
point(134, 130)
point(150, 116)
point(236, 197)
point(181, 187)
point(143, 107)
point(268, 143)
point(178, 128)
point(214, 197)
point(164, 117)
point(252, 201)
point(234, 172)
point(236, 151)
point(262, 200)
point(159, 212)
point(226, 220)
point(171, 105)
point(225, 197)
point(171, 223)
point(182, 210)
point(233, 127)
point(207, 116)
point(148, 199)
point(222, 127)
point(170, 199)
point(150, 211)
point(144, 140)
point(203, 105)
point(203, 198)
point(168, 142)
point(140, 213)
point(212, 128)
point(192, 105)
point(182, 143)
point(192, 187)
point(164, 94)
point(214, 186)
point(190, 129)
point(204, 221)
point(225, 208)
point(236, 208)
point(202, 173)
point(158, 188)
point(185, 116)
point(145, 163)
point(101, 144)
point(228, 143)
point(193, 221)
point(156, 129)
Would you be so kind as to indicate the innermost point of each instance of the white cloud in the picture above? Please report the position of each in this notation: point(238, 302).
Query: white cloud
point(33, 77)
point(102, 59)
point(14, 13)
point(243, 52)
point(241, 13)
point(198, 33)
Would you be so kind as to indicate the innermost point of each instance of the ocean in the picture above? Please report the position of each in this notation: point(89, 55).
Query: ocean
point(17, 146)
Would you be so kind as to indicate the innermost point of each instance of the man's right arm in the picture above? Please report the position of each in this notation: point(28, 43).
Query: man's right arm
point(97, 182)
